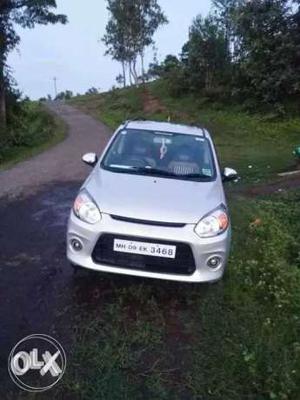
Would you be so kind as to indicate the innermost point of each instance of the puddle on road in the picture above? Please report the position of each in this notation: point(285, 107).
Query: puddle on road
point(20, 260)
point(54, 207)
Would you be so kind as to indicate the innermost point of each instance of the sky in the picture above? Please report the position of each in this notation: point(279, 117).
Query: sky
point(74, 53)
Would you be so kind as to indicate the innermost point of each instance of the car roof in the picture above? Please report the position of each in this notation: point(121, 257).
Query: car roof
point(167, 127)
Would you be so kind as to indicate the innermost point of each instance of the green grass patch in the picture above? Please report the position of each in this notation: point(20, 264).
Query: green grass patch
point(113, 107)
point(32, 132)
point(258, 146)
point(247, 330)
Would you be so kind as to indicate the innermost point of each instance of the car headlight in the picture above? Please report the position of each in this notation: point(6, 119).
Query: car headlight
point(86, 209)
point(213, 224)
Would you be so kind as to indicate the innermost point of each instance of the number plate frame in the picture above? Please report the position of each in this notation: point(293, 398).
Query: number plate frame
point(144, 248)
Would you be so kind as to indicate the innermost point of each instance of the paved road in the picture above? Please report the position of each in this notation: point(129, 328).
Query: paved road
point(61, 163)
point(38, 290)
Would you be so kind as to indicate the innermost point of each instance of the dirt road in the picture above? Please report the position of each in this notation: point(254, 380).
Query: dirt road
point(61, 163)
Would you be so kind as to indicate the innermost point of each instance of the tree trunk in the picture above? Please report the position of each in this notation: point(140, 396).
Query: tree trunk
point(124, 73)
point(143, 66)
point(130, 73)
point(134, 73)
point(2, 100)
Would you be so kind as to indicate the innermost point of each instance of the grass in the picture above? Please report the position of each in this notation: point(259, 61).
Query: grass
point(258, 146)
point(36, 132)
point(243, 140)
point(113, 107)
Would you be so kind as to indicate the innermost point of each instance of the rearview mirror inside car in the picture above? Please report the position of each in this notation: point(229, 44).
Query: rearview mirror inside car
point(90, 159)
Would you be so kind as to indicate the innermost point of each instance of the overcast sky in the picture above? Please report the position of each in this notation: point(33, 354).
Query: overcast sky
point(74, 54)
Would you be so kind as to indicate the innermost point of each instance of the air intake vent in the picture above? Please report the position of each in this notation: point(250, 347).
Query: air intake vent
point(145, 222)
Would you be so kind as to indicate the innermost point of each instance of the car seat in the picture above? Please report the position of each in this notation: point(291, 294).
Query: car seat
point(184, 164)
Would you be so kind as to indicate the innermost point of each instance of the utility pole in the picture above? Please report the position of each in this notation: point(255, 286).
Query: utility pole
point(55, 86)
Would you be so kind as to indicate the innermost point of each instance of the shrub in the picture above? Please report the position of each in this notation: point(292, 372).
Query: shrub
point(30, 127)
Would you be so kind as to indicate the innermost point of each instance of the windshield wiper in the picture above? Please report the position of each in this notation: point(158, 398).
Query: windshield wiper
point(169, 173)
point(117, 166)
point(200, 176)
point(155, 171)
point(160, 172)
point(143, 170)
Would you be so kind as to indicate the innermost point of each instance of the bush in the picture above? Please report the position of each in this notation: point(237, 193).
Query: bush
point(29, 128)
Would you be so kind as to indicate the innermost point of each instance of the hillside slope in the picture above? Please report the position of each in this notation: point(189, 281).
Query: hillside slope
point(257, 146)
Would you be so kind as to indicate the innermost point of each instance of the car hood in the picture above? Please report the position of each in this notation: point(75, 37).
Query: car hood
point(153, 199)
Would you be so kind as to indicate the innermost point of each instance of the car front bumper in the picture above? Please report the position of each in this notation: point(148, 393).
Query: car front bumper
point(202, 249)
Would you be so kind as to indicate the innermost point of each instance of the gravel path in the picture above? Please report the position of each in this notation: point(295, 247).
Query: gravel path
point(62, 162)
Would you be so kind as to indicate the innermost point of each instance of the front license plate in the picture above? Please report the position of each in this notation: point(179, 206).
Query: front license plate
point(143, 248)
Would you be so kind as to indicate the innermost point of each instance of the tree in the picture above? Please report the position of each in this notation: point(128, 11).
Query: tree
point(116, 31)
point(67, 95)
point(204, 62)
point(162, 70)
point(225, 13)
point(120, 80)
point(205, 54)
point(26, 13)
point(268, 52)
point(247, 50)
point(93, 91)
point(130, 31)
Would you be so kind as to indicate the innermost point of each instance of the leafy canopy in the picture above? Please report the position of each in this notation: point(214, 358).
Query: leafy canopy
point(131, 27)
point(26, 13)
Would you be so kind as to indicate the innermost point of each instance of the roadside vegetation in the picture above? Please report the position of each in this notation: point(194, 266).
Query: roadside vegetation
point(32, 130)
point(242, 52)
point(25, 127)
point(257, 145)
point(26, 14)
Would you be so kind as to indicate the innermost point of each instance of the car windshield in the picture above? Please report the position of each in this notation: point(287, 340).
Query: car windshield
point(170, 155)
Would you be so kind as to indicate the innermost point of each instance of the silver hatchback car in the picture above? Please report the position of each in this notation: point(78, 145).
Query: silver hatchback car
point(153, 206)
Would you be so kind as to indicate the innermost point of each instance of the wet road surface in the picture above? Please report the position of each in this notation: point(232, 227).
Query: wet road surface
point(38, 289)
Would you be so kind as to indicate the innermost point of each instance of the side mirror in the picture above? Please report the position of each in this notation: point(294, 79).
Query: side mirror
point(229, 174)
point(90, 159)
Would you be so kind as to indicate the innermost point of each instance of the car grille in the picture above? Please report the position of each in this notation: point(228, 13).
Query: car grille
point(182, 264)
point(146, 222)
